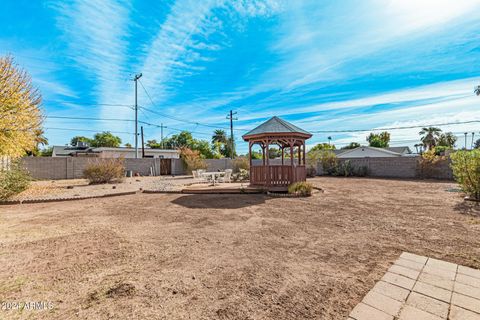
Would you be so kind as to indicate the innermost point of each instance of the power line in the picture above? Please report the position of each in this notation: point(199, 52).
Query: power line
point(398, 128)
point(86, 130)
point(125, 120)
point(175, 118)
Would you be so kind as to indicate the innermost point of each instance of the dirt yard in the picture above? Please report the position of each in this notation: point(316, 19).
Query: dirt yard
point(154, 256)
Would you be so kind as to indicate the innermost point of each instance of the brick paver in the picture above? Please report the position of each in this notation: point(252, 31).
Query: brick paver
point(421, 288)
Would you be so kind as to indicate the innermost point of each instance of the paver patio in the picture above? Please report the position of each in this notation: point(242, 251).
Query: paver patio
point(421, 288)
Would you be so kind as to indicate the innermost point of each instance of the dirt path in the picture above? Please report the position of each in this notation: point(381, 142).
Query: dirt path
point(226, 257)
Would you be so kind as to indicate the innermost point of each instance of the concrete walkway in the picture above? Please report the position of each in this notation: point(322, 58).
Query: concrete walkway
point(421, 288)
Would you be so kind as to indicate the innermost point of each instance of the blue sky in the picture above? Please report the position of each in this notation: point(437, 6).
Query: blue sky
point(324, 65)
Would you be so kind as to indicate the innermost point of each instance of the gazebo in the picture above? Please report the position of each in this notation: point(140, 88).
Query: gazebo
point(275, 175)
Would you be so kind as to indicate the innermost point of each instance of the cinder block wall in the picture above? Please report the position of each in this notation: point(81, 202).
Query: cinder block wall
point(46, 168)
point(72, 168)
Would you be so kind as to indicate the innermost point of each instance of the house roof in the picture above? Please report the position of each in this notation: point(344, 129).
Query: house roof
point(401, 150)
point(384, 150)
point(71, 150)
point(276, 125)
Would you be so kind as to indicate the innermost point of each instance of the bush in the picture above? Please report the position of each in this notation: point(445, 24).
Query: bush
point(466, 169)
point(361, 171)
point(311, 172)
point(300, 188)
point(13, 181)
point(242, 175)
point(104, 170)
point(240, 163)
point(192, 160)
point(344, 169)
point(328, 161)
point(430, 163)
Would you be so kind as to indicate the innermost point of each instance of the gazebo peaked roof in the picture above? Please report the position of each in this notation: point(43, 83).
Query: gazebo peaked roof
point(275, 125)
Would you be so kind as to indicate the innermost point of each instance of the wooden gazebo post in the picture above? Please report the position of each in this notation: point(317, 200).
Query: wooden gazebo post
point(285, 135)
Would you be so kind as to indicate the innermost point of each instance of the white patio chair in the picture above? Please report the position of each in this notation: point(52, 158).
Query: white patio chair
point(227, 177)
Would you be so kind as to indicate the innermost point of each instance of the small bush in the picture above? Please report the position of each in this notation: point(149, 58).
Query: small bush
point(361, 171)
point(300, 188)
point(430, 163)
point(240, 163)
point(13, 181)
point(242, 175)
point(466, 169)
point(192, 160)
point(311, 172)
point(344, 169)
point(104, 170)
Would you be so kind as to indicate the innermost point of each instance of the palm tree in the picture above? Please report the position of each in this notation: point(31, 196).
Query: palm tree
point(219, 136)
point(477, 90)
point(40, 139)
point(430, 136)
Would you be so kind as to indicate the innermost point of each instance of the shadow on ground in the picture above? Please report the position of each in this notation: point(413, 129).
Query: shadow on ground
point(216, 201)
point(470, 208)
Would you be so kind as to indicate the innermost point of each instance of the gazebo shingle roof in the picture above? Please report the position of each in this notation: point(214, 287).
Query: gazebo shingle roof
point(275, 125)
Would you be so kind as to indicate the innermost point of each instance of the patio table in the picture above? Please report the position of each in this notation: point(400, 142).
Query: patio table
point(213, 175)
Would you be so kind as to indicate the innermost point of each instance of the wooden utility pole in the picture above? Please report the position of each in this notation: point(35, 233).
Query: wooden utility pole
point(232, 141)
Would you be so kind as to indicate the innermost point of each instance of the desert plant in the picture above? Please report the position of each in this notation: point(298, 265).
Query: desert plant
point(13, 180)
point(301, 188)
point(192, 159)
point(105, 170)
point(466, 169)
point(329, 161)
point(241, 175)
point(311, 172)
point(345, 169)
point(430, 162)
point(361, 171)
point(240, 163)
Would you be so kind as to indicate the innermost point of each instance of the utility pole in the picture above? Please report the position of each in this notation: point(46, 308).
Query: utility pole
point(143, 146)
point(161, 134)
point(473, 135)
point(232, 142)
point(137, 76)
point(465, 140)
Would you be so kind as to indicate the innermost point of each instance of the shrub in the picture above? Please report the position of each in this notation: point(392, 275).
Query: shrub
point(242, 175)
point(13, 181)
point(430, 163)
point(300, 188)
point(104, 170)
point(344, 169)
point(466, 169)
point(328, 161)
point(192, 160)
point(311, 172)
point(240, 163)
point(361, 171)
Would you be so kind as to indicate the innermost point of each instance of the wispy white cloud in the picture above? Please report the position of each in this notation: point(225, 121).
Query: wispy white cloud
point(96, 32)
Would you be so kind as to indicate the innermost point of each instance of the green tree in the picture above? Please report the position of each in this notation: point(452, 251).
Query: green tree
point(76, 139)
point(106, 139)
point(127, 145)
point(447, 140)
point(476, 145)
point(46, 152)
point(379, 140)
point(20, 114)
point(351, 145)
point(477, 90)
point(154, 144)
point(430, 136)
point(323, 146)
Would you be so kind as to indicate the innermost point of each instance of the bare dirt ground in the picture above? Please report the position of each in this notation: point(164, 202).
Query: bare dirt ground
point(165, 256)
point(73, 188)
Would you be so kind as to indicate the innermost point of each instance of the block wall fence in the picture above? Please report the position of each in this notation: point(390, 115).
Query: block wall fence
point(47, 168)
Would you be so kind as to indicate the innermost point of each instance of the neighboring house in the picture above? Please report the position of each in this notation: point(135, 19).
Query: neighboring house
point(104, 152)
point(372, 152)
